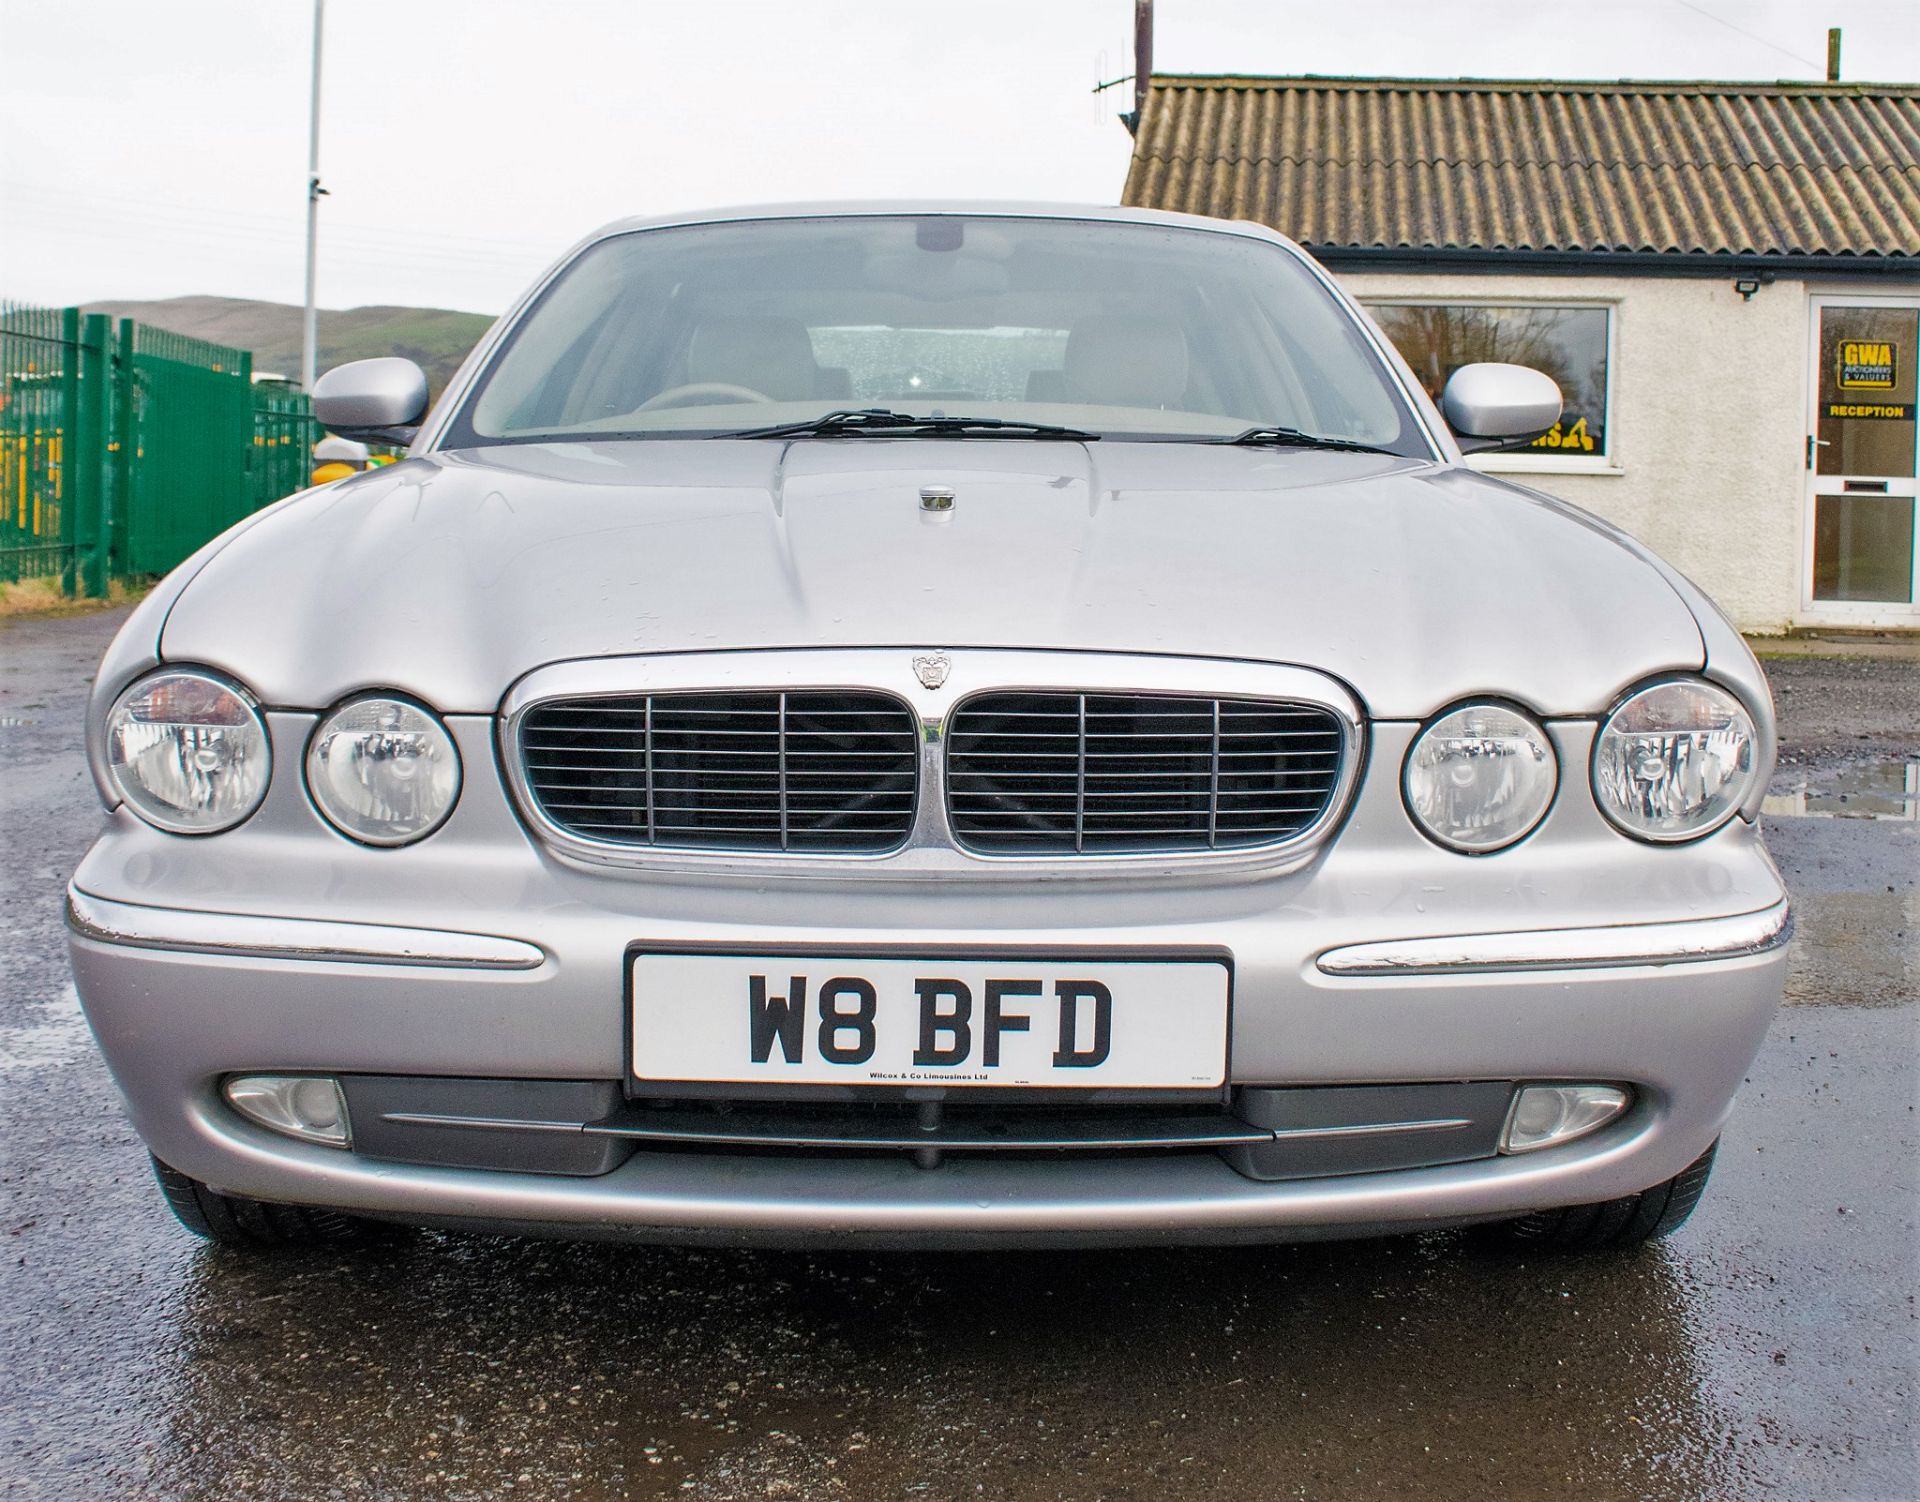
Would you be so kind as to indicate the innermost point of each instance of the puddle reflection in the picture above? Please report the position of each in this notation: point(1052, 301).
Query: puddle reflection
point(1877, 790)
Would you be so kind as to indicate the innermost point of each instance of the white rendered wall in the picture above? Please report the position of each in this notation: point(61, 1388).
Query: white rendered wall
point(1707, 426)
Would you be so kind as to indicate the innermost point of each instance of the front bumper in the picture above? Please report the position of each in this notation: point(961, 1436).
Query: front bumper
point(281, 948)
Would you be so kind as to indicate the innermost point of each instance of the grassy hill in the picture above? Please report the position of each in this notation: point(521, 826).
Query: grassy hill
point(436, 338)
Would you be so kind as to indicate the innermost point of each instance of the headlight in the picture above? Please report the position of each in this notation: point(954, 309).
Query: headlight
point(383, 771)
point(1675, 761)
point(188, 751)
point(1480, 777)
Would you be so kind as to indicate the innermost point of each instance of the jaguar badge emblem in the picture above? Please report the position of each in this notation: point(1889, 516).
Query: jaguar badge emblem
point(932, 669)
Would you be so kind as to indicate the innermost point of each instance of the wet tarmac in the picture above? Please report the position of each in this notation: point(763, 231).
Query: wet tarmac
point(1770, 1349)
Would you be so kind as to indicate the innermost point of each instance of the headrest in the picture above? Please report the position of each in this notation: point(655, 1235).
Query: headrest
point(1047, 386)
point(1126, 360)
point(770, 355)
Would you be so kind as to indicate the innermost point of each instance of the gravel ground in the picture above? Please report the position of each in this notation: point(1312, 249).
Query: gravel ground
point(1835, 711)
point(1767, 1351)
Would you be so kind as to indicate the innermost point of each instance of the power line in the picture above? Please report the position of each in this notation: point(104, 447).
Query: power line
point(176, 208)
point(208, 230)
point(241, 245)
point(213, 227)
point(1698, 10)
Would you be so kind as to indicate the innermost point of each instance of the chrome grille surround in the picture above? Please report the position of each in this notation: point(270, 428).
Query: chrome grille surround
point(931, 849)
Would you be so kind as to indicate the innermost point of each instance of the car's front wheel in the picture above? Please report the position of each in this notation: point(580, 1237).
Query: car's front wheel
point(1613, 1225)
point(233, 1220)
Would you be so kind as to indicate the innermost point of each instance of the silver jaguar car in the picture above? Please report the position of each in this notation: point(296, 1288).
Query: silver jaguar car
point(930, 725)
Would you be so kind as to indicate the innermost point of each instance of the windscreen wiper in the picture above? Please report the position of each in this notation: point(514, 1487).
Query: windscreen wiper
point(852, 424)
point(1293, 438)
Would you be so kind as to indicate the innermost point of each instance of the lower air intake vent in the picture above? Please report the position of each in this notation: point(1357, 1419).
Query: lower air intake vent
point(1106, 774)
point(824, 773)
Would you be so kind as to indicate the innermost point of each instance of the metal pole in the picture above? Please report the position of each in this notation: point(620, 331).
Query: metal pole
point(1833, 54)
point(1142, 59)
point(310, 326)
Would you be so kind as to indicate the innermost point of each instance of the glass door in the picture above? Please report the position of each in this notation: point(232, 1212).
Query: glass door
point(1861, 470)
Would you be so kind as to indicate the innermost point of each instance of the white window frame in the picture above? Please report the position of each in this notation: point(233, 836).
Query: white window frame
point(1524, 461)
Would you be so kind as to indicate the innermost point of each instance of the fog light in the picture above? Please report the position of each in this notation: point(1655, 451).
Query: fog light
point(1543, 1115)
point(308, 1106)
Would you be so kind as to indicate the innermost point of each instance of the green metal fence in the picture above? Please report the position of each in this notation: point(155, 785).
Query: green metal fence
point(283, 438)
point(124, 447)
point(37, 372)
point(192, 427)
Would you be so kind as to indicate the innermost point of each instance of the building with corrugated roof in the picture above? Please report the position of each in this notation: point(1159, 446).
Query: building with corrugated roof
point(1723, 277)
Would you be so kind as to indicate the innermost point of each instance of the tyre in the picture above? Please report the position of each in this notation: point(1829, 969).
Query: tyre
point(1615, 1225)
point(233, 1220)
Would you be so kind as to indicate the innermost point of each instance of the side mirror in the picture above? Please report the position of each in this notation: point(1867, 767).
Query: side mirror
point(382, 401)
point(1490, 406)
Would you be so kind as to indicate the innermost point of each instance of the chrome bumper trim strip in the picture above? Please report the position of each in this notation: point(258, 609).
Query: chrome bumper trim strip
point(1092, 1136)
point(1569, 948)
point(481, 1123)
point(751, 1132)
point(143, 927)
point(1226, 1131)
point(1369, 1129)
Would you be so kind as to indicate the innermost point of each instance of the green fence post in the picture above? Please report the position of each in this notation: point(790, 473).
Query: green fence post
point(96, 402)
point(249, 437)
point(126, 452)
point(71, 485)
point(87, 459)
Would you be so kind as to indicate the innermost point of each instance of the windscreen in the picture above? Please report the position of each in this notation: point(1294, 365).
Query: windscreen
point(1123, 330)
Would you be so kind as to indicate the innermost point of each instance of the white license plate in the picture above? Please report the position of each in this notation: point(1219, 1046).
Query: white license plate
point(809, 1020)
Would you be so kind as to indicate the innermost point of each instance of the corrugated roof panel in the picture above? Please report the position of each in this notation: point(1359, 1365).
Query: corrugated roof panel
point(1694, 168)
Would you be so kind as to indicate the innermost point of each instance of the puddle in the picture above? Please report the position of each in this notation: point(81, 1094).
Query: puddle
point(1874, 790)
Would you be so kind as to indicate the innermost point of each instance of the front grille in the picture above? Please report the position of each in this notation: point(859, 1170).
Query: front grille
point(930, 1129)
point(589, 1127)
point(828, 772)
point(1061, 773)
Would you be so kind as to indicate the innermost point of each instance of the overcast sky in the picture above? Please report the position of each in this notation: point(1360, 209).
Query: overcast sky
point(151, 148)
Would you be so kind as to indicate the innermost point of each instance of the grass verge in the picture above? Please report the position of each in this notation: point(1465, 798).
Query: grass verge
point(43, 597)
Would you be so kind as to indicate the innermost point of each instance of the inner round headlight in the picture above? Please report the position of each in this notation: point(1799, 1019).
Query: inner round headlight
point(383, 770)
point(1675, 761)
point(188, 751)
point(1480, 777)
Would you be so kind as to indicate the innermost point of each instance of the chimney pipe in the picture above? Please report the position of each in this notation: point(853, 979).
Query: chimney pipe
point(1833, 54)
point(1142, 61)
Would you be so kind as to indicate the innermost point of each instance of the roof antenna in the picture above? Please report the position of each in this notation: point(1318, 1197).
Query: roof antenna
point(1833, 54)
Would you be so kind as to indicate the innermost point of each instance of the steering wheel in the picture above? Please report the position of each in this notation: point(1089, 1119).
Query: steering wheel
point(698, 393)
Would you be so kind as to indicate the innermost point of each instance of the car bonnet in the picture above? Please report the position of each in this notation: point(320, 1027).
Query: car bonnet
point(452, 575)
